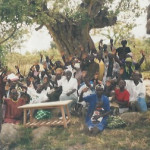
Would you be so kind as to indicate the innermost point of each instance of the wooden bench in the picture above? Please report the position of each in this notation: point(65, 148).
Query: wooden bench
point(49, 105)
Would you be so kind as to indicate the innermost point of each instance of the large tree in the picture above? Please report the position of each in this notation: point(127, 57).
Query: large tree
point(68, 21)
point(148, 20)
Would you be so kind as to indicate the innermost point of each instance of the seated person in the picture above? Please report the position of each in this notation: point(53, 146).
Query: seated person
point(76, 68)
point(12, 113)
point(108, 88)
point(122, 97)
point(83, 75)
point(31, 88)
point(120, 75)
point(86, 84)
point(57, 90)
point(26, 97)
point(136, 89)
point(96, 79)
point(42, 92)
point(91, 90)
point(20, 76)
point(69, 88)
point(98, 111)
point(14, 85)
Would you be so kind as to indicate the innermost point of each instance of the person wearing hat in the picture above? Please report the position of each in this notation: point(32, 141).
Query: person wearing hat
point(130, 66)
point(98, 110)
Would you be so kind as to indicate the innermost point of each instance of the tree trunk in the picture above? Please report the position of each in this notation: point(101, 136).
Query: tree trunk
point(69, 38)
point(1, 115)
point(148, 20)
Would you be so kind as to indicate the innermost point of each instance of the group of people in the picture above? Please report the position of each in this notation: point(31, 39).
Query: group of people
point(101, 80)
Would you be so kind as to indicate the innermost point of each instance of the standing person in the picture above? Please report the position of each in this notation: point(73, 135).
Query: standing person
point(101, 50)
point(111, 46)
point(98, 111)
point(100, 46)
point(124, 51)
point(101, 64)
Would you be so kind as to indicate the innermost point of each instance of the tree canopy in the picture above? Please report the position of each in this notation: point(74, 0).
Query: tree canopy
point(68, 21)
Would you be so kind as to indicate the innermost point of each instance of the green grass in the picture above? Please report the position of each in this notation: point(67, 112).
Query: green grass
point(135, 136)
point(25, 139)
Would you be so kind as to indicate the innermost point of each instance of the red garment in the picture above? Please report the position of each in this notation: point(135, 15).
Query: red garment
point(122, 96)
point(13, 114)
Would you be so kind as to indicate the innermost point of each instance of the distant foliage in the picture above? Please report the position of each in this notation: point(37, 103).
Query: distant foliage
point(53, 45)
point(2, 54)
point(24, 62)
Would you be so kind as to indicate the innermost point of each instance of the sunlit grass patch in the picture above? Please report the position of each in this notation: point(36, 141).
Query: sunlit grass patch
point(146, 74)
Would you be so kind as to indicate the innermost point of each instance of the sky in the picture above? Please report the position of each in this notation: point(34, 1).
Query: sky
point(40, 40)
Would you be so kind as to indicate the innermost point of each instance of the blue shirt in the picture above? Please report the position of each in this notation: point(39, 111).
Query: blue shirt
point(92, 100)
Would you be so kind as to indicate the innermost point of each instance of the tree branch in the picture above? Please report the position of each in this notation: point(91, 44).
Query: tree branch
point(39, 27)
point(95, 7)
point(92, 6)
point(6, 39)
point(104, 19)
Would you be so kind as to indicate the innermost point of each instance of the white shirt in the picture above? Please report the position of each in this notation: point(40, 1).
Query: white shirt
point(39, 97)
point(68, 86)
point(89, 92)
point(135, 90)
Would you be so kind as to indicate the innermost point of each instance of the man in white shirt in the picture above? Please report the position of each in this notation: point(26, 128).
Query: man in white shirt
point(69, 88)
point(136, 88)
